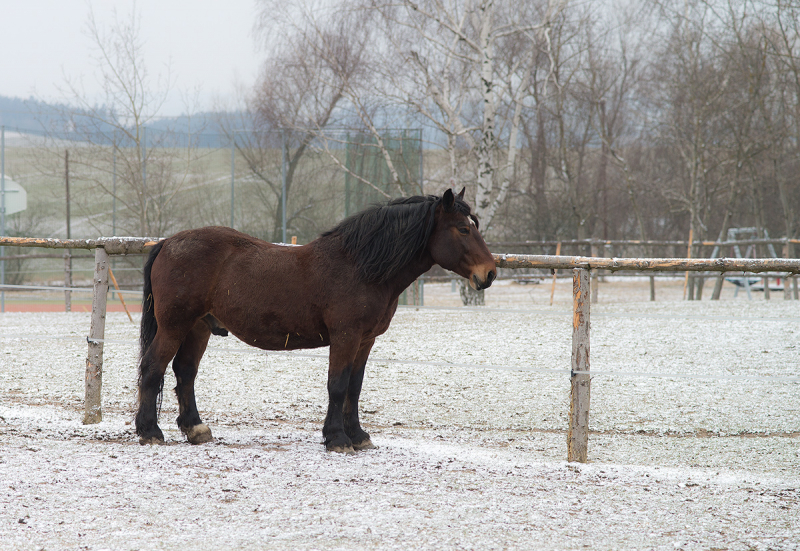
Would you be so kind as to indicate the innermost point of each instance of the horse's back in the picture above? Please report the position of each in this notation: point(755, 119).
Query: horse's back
point(213, 242)
point(192, 263)
point(215, 245)
point(254, 288)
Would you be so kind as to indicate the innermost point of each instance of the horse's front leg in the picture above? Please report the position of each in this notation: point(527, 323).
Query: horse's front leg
point(352, 427)
point(344, 349)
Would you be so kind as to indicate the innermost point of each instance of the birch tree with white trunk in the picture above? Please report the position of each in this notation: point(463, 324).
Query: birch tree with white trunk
point(446, 68)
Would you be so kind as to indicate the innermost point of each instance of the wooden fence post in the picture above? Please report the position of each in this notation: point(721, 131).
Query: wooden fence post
point(93, 412)
point(578, 434)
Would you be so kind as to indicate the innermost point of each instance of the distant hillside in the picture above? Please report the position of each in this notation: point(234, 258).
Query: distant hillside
point(27, 114)
point(33, 116)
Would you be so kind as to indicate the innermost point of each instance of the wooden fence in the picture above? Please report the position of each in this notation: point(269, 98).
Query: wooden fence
point(580, 382)
point(103, 247)
point(627, 248)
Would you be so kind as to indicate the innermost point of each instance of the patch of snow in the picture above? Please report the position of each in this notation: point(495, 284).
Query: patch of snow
point(467, 458)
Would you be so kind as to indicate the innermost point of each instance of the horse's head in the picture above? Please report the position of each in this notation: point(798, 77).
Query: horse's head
point(457, 245)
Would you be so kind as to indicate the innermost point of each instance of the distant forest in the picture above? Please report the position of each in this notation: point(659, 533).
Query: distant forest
point(25, 114)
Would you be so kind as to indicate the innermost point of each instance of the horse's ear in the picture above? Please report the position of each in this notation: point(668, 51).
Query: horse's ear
point(461, 194)
point(448, 200)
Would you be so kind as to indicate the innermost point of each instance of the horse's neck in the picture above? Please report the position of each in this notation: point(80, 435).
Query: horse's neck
point(410, 273)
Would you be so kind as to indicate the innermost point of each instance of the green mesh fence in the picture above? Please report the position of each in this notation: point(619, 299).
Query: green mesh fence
point(370, 179)
point(273, 185)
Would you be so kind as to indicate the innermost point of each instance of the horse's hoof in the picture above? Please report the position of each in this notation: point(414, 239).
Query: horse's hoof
point(341, 449)
point(151, 440)
point(198, 434)
point(365, 445)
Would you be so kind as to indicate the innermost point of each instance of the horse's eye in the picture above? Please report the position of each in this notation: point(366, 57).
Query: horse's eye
point(463, 231)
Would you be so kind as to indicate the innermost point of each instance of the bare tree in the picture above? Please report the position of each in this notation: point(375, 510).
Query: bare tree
point(691, 86)
point(781, 32)
point(142, 173)
point(311, 85)
point(572, 108)
point(615, 66)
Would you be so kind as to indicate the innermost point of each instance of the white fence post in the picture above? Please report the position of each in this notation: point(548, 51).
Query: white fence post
point(93, 412)
point(578, 433)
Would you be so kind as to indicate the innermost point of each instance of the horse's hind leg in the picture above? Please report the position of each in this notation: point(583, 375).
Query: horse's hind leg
point(151, 380)
point(185, 367)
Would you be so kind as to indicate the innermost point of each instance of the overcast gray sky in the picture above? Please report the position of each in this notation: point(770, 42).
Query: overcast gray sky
point(208, 44)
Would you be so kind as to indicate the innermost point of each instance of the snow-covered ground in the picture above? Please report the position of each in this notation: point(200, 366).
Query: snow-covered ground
point(470, 428)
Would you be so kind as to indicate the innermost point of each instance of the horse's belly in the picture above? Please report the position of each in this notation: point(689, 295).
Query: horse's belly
point(283, 341)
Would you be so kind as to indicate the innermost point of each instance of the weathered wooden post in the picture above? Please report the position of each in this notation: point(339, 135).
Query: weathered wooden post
point(578, 434)
point(93, 412)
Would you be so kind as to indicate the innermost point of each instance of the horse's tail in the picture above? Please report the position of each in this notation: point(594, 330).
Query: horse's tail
point(149, 325)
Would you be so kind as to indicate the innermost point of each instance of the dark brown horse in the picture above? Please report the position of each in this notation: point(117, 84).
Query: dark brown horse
point(340, 290)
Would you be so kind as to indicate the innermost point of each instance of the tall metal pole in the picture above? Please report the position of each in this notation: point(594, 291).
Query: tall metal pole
point(347, 160)
point(233, 165)
point(144, 178)
point(421, 166)
point(114, 190)
point(67, 253)
point(283, 184)
point(114, 201)
point(2, 214)
point(66, 184)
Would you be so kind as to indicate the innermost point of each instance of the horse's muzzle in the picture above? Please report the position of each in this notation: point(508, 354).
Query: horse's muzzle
point(479, 285)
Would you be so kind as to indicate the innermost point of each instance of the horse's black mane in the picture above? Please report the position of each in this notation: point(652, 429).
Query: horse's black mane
point(384, 238)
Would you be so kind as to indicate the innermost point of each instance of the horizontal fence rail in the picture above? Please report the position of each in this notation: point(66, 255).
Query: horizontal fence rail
point(112, 245)
point(640, 243)
point(551, 262)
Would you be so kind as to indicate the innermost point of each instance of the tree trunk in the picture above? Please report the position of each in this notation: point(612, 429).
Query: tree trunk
point(487, 143)
point(469, 296)
point(539, 174)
